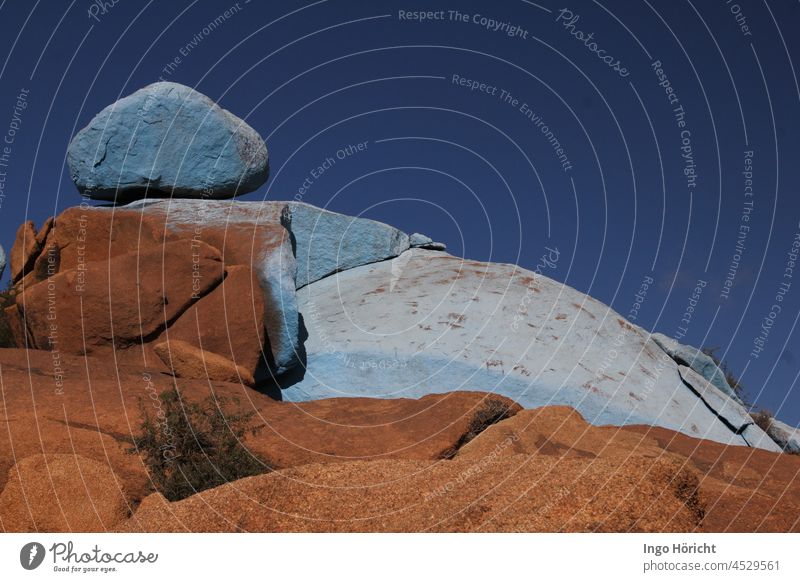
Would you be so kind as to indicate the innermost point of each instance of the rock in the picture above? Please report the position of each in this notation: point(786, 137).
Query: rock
point(329, 243)
point(167, 140)
point(785, 436)
point(262, 236)
point(420, 241)
point(228, 321)
point(381, 460)
point(187, 361)
point(2, 261)
point(438, 323)
point(61, 493)
point(550, 495)
point(250, 235)
point(728, 410)
point(701, 363)
point(25, 250)
point(83, 309)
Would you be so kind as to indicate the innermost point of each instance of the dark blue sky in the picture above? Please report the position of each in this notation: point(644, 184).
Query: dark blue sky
point(473, 168)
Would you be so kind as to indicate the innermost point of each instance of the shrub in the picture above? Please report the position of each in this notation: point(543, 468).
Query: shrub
point(190, 447)
point(763, 419)
point(492, 411)
point(730, 377)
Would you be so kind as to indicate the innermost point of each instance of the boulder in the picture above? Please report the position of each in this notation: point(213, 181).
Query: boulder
point(25, 250)
point(250, 235)
point(229, 321)
point(167, 140)
point(729, 411)
point(2, 261)
point(437, 323)
point(698, 361)
point(61, 493)
point(420, 241)
point(327, 242)
point(119, 303)
point(786, 437)
point(520, 493)
point(382, 459)
point(188, 361)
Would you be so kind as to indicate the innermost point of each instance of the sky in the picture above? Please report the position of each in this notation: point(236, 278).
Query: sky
point(652, 143)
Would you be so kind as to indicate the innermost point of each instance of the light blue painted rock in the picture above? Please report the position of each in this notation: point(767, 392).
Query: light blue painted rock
point(421, 241)
point(327, 242)
point(697, 361)
point(787, 437)
point(427, 322)
point(731, 412)
point(167, 140)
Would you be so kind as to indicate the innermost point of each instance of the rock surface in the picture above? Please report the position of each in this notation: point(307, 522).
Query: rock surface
point(728, 410)
point(25, 249)
point(698, 361)
point(188, 361)
point(322, 305)
point(228, 321)
point(61, 493)
point(2, 261)
point(383, 460)
point(421, 241)
point(786, 437)
point(429, 322)
point(118, 303)
point(328, 242)
point(167, 140)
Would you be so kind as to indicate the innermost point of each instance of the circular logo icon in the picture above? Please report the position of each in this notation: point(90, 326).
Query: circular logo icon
point(31, 555)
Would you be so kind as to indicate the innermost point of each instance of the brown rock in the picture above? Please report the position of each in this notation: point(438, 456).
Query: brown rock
point(25, 250)
point(188, 361)
point(16, 326)
point(376, 465)
point(517, 493)
point(121, 302)
point(229, 321)
point(61, 493)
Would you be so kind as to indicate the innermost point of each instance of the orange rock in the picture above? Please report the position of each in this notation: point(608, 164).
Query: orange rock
point(364, 464)
point(121, 302)
point(229, 321)
point(25, 250)
point(517, 493)
point(188, 361)
point(61, 493)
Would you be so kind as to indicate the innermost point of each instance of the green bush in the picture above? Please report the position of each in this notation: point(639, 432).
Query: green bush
point(188, 447)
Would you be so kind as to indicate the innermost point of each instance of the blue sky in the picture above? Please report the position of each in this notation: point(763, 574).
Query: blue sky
point(620, 137)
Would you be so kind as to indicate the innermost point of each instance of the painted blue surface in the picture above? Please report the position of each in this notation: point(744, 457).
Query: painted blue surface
point(701, 363)
point(167, 140)
point(354, 374)
point(327, 242)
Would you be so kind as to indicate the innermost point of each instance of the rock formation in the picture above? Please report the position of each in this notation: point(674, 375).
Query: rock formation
point(325, 305)
point(167, 140)
point(391, 464)
point(450, 388)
